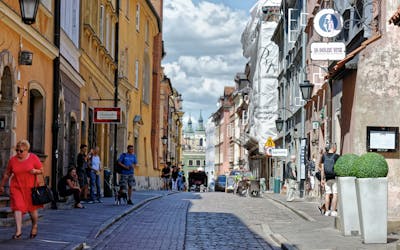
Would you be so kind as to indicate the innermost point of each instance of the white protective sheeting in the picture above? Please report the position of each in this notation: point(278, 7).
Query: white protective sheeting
point(263, 60)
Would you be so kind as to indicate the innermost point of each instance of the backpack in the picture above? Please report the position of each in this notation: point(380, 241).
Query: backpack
point(118, 168)
point(329, 162)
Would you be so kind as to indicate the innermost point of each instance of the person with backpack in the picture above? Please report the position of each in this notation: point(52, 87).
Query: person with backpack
point(291, 175)
point(328, 180)
point(128, 162)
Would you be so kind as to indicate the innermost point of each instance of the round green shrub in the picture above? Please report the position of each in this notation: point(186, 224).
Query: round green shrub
point(371, 165)
point(344, 166)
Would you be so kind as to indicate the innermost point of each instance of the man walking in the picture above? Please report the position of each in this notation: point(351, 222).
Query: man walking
point(328, 180)
point(128, 162)
point(292, 178)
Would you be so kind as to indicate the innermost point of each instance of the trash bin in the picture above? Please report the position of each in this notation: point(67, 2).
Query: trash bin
point(277, 185)
point(107, 183)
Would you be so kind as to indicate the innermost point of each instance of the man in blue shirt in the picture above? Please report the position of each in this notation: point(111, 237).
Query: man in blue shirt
point(128, 162)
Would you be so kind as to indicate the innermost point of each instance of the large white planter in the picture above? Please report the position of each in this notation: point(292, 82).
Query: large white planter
point(372, 198)
point(348, 208)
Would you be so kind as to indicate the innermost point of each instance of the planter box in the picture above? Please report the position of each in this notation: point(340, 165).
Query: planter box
point(372, 198)
point(348, 208)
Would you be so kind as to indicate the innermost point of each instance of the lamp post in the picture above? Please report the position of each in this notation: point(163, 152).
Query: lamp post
point(28, 10)
point(164, 141)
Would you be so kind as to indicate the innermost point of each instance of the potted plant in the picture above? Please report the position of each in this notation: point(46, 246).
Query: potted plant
point(372, 196)
point(347, 198)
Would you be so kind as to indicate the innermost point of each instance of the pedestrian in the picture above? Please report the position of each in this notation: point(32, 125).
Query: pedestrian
point(69, 185)
point(328, 180)
point(166, 175)
point(22, 171)
point(174, 177)
point(82, 165)
point(95, 171)
point(128, 161)
point(292, 178)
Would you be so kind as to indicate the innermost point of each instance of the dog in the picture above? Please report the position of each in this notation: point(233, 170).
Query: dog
point(120, 196)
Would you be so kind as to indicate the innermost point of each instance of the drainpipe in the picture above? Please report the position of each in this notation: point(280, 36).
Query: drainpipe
point(303, 111)
point(56, 96)
point(116, 52)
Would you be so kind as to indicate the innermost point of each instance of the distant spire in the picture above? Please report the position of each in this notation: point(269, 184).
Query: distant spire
point(189, 128)
point(200, 127)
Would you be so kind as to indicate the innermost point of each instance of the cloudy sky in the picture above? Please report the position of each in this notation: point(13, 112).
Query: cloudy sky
point(204, 53)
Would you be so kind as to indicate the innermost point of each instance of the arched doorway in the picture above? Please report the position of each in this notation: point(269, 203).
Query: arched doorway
point(7, 116)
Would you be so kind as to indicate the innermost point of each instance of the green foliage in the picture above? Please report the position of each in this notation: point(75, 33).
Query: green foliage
point(344, 166)
point(371, 165)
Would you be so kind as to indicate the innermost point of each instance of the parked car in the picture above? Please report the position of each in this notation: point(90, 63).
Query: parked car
point(220, 183)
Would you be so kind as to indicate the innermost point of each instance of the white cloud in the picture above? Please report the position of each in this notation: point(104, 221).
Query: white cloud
point(202, 42)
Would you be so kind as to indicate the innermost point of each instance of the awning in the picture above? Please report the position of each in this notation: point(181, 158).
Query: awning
point(395, 19)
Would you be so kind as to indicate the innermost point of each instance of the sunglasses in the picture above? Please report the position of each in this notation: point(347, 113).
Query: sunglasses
point(19, 150)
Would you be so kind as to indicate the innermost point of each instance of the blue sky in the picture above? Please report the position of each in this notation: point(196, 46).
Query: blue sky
point(203, 49)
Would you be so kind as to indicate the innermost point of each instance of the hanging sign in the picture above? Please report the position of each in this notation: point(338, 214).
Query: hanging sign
point(328, 23)
point(328, 51)
point(107, 115)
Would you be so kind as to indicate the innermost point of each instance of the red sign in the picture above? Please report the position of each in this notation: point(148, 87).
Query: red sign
point(107, 115)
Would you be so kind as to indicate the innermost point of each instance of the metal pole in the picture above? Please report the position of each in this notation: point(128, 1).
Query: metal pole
point(116, 52)
point(302, 146)
point(56, 96)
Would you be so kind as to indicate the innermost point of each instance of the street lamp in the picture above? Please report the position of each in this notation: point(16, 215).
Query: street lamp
point(164, 140)
point(279, 124)
point(28, 10)
point(306, 89)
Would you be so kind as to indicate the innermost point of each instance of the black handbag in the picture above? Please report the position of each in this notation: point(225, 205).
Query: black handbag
point(41, 194)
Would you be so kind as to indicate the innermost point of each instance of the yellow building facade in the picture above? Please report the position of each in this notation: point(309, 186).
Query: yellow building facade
point(139, 27)
point(26, 95)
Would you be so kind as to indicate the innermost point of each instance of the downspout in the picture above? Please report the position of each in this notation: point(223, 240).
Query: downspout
point(116, 52)
point(56, 96)
point(303, 111)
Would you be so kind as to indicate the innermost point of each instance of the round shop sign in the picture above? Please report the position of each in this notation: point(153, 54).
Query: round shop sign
point(328, 23)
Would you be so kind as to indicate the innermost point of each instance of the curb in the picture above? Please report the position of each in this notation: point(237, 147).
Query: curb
point(108, 223)
point(302, 214)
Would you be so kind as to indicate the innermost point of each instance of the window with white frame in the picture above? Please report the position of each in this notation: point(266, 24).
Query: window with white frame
point(137, 17)
point(137, 74)
point(70, 20)
point(108, 35)
point(101, 23)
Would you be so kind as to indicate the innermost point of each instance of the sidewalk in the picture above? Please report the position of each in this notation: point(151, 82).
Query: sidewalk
point(69, 228)
point(318, 231)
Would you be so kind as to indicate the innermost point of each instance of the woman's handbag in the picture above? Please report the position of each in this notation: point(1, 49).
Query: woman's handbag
point(41, 194)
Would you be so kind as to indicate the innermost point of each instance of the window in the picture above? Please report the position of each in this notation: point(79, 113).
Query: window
point(190, 162)
point(201, 142)
point(70, 20)
point(137, 17)
point(101, 23)
point(147, 31)
point(197, 162)
point(146, 79)
point(36, 119)
point(137, 74)
point(83, 123)
point(112, 39)
point(108, 35)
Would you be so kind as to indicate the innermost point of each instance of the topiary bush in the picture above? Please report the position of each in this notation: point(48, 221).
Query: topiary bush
point(344, 166)
point(371, 165)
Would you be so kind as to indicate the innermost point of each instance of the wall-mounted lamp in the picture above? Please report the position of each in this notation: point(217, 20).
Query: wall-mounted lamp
point(28, 10)
point(164, 140)
point(25, 57)
point(21, 92)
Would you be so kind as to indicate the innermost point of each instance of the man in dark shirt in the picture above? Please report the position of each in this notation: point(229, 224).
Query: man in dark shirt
point(166, 175)
point(328, 180)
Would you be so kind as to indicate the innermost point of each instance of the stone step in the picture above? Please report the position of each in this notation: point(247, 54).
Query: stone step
point(4, 201)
